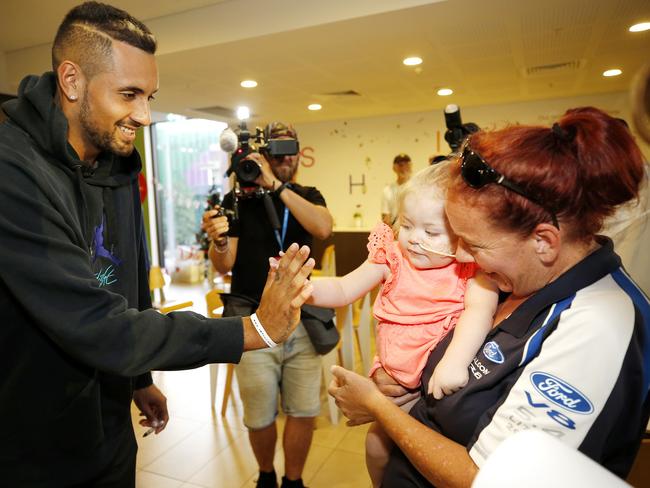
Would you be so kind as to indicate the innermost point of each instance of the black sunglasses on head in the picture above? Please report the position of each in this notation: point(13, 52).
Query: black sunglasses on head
point(477, 173)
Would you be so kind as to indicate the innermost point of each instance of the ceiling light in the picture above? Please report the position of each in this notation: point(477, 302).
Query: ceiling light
point(243, 113)
point(643, 26)
point(412, 61)
point(315, 106)
point(249, 83)
point(175, 117)
point(612, 72)
point(445, 92)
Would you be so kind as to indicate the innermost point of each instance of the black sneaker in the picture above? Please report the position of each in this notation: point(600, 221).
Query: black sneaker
point(267, 480)
point(287, 483)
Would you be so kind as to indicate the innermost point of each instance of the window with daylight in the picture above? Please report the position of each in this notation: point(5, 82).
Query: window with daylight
point(189, 166)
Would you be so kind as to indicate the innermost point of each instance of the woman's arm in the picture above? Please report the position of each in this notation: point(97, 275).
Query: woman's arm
point(474, 323)
point(443, 462)
point(336, 292)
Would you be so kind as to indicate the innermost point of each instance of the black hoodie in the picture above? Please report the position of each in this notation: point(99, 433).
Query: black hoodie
point(76, 325)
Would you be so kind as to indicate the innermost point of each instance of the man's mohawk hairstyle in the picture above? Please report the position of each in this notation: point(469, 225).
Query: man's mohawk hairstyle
point(89, 29)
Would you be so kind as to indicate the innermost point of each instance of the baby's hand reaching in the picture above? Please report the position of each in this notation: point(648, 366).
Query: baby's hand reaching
point(447, 378)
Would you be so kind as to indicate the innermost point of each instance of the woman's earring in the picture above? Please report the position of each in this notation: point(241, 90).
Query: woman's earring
point(72, 97)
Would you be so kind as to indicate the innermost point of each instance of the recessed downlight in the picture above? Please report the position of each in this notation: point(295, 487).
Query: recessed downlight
point(412, 61)
point(612, 72)
point(249, 83)
point(314, 106)
point(243, 112)
point(642, 26)
point(445, 92)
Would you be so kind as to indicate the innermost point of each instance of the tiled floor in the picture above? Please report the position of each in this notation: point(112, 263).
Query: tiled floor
point(199, 448)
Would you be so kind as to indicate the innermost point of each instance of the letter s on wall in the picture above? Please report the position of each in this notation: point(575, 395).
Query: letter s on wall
point(305, 155)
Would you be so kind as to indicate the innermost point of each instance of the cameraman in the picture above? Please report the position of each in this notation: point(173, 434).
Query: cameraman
point(292, 369)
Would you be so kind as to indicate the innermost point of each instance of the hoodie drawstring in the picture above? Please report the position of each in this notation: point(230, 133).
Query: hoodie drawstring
point(83, 212)
point(111, 220)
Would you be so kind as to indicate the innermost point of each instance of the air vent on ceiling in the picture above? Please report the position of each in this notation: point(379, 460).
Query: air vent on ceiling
point(554, 68)
point(343, 93)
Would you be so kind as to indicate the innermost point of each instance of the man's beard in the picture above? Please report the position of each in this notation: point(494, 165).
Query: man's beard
point(104, 141)
point(285, 173)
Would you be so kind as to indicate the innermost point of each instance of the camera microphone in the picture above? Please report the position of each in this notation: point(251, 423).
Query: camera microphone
point(456, 130)
point(228, 141)
point(452, 116)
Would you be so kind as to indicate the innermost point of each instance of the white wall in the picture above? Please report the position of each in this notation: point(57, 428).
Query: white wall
point(361, 148)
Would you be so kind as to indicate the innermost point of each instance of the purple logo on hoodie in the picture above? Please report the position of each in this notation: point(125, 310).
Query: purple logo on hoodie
point(98, 246)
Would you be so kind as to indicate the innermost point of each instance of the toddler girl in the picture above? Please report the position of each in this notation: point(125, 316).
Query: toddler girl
point(425, 294)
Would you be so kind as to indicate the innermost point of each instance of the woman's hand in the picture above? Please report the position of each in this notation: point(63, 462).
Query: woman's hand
point(286, 290)
point(356, 395)
point(213, 224)
point(398, 394)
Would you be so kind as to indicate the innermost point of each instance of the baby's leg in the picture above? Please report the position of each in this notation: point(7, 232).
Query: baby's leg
point(378, 447)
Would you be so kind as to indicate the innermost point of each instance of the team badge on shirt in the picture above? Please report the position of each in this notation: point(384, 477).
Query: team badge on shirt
point(492, 351)
point(561, 393)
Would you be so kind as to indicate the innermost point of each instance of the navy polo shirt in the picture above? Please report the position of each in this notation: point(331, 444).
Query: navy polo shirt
point(572, 361)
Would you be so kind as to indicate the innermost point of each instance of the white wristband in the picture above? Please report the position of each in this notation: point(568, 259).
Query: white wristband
point(260, 330)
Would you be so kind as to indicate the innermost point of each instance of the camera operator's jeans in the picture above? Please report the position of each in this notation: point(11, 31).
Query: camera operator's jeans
point(292, 369)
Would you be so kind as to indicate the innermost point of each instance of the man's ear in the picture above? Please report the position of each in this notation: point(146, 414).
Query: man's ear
point(70, 79)
point(547, 243)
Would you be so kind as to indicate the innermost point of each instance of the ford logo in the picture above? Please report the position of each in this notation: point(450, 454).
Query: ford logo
point(561, 393)
point(493, 353)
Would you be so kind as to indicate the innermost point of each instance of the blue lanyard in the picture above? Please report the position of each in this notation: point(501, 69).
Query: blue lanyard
point(285, 220)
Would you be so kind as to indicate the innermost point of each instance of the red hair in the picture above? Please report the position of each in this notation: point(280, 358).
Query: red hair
point(582, 169)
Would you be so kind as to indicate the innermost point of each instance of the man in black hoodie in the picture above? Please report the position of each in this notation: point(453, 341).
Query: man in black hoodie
point(78, 336)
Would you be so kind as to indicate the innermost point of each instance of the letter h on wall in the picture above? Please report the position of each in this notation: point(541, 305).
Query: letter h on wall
point(362, 184)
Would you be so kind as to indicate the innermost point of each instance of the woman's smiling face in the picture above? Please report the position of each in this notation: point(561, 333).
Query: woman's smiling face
point(507, 259)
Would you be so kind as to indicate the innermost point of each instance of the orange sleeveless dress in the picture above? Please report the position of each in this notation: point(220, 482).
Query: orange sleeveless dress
point(415, 308)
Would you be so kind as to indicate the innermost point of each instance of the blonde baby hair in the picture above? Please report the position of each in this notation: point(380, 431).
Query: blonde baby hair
point(432, 179)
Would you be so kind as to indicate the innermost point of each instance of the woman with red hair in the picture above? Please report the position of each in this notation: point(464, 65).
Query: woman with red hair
point(569, 353)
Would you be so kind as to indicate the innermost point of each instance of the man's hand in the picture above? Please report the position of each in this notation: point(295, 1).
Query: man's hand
point(356, 395)
point(153, 406)
point(286, 290)
point(215, 225)
point(267, 178)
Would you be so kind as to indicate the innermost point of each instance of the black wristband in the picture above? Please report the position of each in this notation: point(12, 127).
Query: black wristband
point(281, 188)
point(221, 244)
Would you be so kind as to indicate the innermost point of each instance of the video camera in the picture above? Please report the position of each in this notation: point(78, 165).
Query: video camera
point(456, 130)
point(240, 145)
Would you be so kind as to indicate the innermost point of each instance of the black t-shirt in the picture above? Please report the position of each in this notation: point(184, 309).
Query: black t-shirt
point(258, 241)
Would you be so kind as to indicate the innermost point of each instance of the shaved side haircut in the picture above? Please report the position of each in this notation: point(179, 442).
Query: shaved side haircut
point(87, 32)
